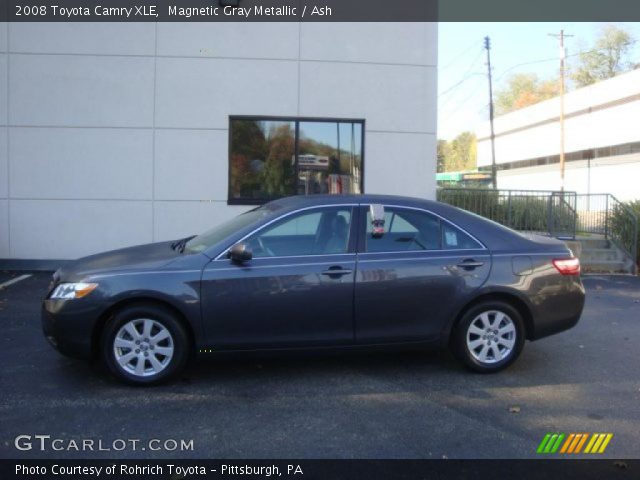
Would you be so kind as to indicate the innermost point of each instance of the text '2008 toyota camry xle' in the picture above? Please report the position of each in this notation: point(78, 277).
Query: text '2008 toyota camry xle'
point(318, 272)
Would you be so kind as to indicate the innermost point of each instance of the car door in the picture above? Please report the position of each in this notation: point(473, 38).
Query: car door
point(297, 290)
point(412, 277)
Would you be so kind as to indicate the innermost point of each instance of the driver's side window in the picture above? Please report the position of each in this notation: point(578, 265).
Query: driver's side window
point(322, 231)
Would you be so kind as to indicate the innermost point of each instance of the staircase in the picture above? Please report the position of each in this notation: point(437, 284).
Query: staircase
point(599, 255)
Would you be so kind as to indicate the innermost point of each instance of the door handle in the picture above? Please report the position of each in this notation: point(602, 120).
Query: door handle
point(469, 264)
point(337, 271)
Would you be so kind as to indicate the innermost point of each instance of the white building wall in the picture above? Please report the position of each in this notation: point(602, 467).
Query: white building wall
point(519, 137)
point(616, 175)
point(117, 134)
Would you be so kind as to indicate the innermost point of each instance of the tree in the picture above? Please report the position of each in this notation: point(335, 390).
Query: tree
point(443, 152)
point(279, 178)
point(607, 57)
point(248, 143)
point(463, 150)
point(522, 90)
point(457, 155)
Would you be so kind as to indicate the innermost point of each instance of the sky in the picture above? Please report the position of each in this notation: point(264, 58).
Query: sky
point(463, 90)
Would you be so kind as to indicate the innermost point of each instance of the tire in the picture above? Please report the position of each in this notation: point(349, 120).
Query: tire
point(476, 343)
point(144, 344)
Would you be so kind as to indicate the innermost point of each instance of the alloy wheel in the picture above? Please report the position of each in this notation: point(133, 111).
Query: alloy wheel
point(143, 347)
point(491, 337)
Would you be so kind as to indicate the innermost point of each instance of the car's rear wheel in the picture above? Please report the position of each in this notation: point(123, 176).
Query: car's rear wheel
point(489, 337)
point(144, 344)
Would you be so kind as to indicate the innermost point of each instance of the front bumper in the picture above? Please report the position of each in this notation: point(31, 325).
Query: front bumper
point(68, 326)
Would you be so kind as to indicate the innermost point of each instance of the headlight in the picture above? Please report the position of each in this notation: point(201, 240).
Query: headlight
point(73, 290)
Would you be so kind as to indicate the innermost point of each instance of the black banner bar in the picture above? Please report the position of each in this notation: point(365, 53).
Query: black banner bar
point(222, 10)
point(318, 10)
point(319, 469)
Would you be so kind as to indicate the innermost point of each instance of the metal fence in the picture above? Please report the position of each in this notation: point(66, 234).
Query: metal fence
point(604, 214)
point(541, 211)
point(558, 214)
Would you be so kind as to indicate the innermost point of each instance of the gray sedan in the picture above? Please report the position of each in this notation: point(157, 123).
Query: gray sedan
point(318, 272)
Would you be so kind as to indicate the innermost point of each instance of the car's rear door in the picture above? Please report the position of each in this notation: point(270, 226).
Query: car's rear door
point(296, 291)
point(411, 278)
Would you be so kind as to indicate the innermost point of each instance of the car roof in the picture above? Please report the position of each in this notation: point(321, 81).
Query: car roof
point(327, 199)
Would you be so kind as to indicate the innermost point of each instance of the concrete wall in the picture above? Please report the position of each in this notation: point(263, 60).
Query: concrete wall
point(117, 134)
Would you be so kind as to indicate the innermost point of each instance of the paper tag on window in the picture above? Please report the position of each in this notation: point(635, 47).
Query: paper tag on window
point(451, 239)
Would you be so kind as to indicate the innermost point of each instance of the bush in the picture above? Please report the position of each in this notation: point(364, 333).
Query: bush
point(485, 203)
point(531, 213)
point(520, 212)
point(621, 225)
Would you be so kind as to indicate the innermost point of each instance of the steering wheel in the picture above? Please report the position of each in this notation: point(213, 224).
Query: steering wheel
point(265, 248)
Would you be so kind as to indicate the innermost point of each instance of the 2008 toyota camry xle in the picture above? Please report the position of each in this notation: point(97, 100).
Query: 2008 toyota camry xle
point(318, 272)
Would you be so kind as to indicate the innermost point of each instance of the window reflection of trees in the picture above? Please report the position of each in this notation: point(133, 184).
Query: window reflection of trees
point(264, 164)
point(260, 166)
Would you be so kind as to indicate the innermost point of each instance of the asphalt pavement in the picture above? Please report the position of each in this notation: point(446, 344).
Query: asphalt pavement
point(392, 405)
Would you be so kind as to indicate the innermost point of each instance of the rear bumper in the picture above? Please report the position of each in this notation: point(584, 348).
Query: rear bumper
point(558, 308)
point(68, 328)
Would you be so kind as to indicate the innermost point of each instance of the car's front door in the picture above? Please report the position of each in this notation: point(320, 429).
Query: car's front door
point(413, 275)
point(297, 290)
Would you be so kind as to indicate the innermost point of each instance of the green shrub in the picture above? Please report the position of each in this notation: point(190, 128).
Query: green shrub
point(531, 213)
point(621, 225)
point(485, 203)
point(520, 212)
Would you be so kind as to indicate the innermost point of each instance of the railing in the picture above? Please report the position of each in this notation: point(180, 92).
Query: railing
point(546, 212)
point(604, 214)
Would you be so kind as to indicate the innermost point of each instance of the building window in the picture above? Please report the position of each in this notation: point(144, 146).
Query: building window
point(271, 158)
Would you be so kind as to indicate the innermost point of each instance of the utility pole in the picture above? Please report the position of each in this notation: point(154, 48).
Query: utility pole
point(561, 38)
point(494, 179)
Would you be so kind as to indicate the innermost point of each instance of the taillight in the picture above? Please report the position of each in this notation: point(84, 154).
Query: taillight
point(567, 266)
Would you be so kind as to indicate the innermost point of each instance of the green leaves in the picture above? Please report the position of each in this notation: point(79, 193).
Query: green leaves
point(607, 58)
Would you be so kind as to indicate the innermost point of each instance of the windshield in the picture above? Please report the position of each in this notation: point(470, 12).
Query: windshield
point(218, 233)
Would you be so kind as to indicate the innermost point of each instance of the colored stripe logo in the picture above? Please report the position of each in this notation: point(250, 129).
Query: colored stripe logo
point(573, 443)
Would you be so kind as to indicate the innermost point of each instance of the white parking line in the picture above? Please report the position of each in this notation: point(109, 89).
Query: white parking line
point(13, 280)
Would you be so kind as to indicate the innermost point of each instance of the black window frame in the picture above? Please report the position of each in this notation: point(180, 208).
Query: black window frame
point(296, 120)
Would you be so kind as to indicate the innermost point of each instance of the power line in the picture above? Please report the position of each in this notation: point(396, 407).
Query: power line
point(513, 67)
point(553, 59)
point(468, 74)
point(464, 79)
point(455, 110)
point(465, 99)
point(459, 55)
point(524, 64)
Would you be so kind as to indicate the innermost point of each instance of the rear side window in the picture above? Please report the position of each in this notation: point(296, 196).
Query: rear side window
point(414, 230)
point(405, 230)
point(455, 239)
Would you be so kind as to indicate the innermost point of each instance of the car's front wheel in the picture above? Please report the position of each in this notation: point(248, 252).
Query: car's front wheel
point(144, 344)
point(489, 336)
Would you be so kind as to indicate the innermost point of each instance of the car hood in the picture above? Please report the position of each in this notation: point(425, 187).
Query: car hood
point(140, 257)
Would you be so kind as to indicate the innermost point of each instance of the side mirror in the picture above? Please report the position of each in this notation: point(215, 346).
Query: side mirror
point(240, 253)
point(377, 219)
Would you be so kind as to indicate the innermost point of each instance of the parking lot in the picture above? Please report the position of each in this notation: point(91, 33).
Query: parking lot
point(400, 405)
